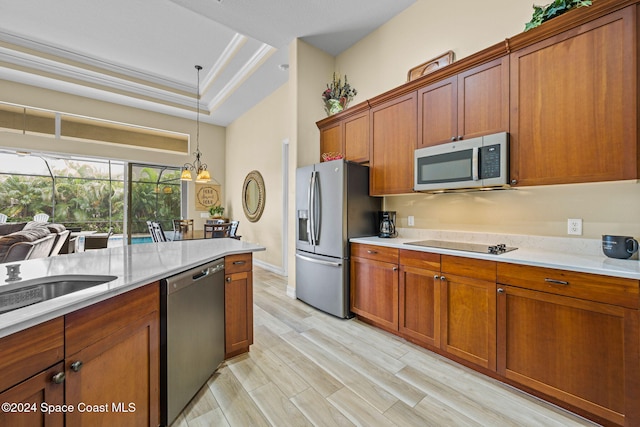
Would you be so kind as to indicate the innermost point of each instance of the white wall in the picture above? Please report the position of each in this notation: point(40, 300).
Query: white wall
point(427, 29)
point(254, 142)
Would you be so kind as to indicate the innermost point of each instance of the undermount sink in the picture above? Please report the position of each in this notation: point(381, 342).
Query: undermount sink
point(47, 288)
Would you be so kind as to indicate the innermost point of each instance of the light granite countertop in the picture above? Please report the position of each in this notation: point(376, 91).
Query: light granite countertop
point(579, 255)
point(134, 266)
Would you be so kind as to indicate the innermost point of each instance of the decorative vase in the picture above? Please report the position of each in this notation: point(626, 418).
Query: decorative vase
point(333, 106)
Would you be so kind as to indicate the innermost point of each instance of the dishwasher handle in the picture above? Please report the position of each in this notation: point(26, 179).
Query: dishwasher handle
point(187, 278)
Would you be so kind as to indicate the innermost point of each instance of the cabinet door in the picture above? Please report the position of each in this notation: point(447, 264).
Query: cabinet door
point(574, 105)
point(483, 99)
point(117, 343)
point(420, 305)
point(469, 319)
point(118, 377)
point(394, 140)
point(374, 291)
point(438, 112)
point(238, 313)
point(581, 352)
point(30, 394)
point(331, 139)
point(356, 138)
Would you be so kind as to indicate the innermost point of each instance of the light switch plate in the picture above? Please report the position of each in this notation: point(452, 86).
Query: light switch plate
point(204, 215)
point(574, 226)
point(411, 221)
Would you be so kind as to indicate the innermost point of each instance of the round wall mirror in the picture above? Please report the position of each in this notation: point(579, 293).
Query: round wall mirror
point(253, 196)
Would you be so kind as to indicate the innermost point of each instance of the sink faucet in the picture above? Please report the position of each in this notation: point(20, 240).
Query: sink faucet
point(13, 273)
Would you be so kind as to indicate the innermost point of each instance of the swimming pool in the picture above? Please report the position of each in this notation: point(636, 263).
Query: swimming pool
point(117, 240)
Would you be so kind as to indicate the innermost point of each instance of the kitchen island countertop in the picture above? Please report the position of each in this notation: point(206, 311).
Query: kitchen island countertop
point(625, 268)
point(134, 266)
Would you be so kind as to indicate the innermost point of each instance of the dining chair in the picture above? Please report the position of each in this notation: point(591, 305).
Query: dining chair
point(41, 217)
point(234, 229)
point(158, 232)
point(3, 218)
point(181, 227)
point(97, 240)
point(214, 231)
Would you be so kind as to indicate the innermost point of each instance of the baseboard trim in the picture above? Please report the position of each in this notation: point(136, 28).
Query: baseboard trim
point(272, 268)
point(291, 292)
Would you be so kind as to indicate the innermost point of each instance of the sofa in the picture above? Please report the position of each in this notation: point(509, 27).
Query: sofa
point(28, 240)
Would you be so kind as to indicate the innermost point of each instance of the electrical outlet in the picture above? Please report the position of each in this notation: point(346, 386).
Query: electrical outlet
point(574, 226)
point(411, 221)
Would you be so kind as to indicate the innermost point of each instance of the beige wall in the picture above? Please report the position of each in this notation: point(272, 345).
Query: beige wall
point(425, 30)
point(254, 142)
point(211, 137)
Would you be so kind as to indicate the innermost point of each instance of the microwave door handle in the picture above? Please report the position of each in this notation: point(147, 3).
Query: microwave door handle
point(475, 164)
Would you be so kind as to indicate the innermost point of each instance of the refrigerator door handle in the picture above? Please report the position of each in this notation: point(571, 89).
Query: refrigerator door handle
point(319, 261)
point(313, 207)
point(317, 209)
point(310, 209)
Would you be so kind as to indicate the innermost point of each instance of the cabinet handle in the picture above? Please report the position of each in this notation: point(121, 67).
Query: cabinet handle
point(500, 291)
point(514, 181)
point(453, 138)
point(436, 277)
point(76, 366)
point(395, 268)
point(443, 278)
point(369, 251)
point(229, 279)
point(58, 378)
point(459, 137)
point(239, 262)
point(556, 282)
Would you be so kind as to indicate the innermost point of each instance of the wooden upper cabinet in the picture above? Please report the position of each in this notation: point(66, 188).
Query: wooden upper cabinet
point(347, 133)
point(574, 104)
point(393, 125)
point(472, 103)
point(331, 139)
point(356, 137)
point(438, 112)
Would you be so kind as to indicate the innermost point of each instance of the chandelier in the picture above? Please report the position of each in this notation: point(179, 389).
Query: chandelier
point(202, 174)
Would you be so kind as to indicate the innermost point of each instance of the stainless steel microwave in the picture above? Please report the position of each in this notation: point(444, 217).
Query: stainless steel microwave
point(481, 162)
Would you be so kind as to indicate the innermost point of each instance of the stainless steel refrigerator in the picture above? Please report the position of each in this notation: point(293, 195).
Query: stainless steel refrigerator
point(332, 206)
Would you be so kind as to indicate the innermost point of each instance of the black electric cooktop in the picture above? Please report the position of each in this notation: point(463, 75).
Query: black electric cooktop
point(497, 249)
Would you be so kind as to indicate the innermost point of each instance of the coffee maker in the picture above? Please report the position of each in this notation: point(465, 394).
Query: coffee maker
point(387, 224)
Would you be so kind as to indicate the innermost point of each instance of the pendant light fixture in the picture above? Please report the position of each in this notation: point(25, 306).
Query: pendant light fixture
point(202, 174)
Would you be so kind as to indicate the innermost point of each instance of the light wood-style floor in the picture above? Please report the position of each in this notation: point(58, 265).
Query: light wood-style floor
point(307, 368)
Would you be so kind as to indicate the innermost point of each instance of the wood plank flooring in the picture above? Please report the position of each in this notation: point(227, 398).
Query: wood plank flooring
point(307, 368)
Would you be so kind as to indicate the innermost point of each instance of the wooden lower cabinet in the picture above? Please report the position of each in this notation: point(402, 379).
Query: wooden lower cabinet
point(374, 287)
point(468, 292)
point(28, 398)
point(238, 304)
point(580, 352)
point(469, 319)
point(419, 297)
point(113, 361)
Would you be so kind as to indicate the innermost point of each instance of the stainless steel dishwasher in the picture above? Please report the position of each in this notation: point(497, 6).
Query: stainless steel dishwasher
point(192, 334)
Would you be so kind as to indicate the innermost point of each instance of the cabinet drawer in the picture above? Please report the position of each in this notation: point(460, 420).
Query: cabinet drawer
point(591, 287)
point(28, 352)
point(418, 259)
point(469, 267)
point(377, 253)
point(237, 263)
point(91, 324)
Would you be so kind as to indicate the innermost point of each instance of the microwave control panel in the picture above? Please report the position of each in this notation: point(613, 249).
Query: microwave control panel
point(490, 161)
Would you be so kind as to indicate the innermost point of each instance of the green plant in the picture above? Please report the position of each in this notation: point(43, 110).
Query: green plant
point(557, 8)
point(216, 210)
